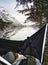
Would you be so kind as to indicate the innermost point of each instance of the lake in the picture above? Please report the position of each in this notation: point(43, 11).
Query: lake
point(18, 33)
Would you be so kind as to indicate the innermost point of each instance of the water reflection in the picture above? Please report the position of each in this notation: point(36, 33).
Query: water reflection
point(22, 33)
point(17, 33)
point(10, 32)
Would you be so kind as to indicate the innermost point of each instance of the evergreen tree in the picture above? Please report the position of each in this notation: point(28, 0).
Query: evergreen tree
point(4, 24)
point(38, 12)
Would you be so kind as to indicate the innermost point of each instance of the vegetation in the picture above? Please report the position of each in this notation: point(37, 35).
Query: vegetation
point(4, 24)
point(46, 52)
point(38, 12)
point(31, 60)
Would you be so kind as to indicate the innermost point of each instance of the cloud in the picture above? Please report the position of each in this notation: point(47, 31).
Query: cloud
point(10, 5)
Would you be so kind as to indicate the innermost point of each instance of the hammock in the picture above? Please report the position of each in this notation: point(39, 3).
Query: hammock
point(30, 46)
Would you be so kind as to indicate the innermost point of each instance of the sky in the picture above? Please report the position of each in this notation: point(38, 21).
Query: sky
point(10, 6)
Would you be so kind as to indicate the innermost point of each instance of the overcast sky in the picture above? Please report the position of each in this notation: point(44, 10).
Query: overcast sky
point(10, 5)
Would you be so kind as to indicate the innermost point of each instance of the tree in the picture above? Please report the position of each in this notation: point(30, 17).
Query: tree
point(38, 12)
point(4, 24)
point(23, 2)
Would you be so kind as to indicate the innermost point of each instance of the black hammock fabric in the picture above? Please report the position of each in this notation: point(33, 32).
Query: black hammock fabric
point(30, 46)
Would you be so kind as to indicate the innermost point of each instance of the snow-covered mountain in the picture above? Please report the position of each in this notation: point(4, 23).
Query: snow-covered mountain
point(4, 14)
